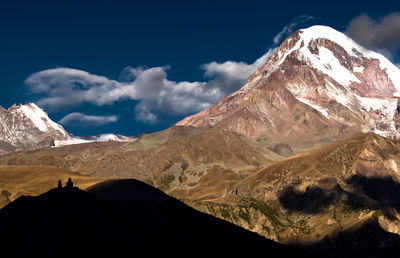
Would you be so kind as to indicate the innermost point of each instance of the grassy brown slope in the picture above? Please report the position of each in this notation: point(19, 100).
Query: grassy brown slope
point(16, 181)
point(77, 157)
point(317, 193)
point(366, 155)
point(182, 160)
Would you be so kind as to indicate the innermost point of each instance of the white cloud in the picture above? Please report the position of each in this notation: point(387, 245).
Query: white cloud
point(236, 70)
point(230, 76)
point(83, 120)
point(65, 88)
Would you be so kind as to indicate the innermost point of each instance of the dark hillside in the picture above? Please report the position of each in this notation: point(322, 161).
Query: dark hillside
point(120, 218)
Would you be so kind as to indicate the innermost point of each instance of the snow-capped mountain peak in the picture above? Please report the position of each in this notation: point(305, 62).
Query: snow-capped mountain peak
point(106, 137)
point(40, 118)
point(332, 53)
point(318, 69)
point(331, 64)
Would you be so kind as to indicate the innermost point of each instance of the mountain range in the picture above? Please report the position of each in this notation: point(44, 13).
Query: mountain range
point(306, 153)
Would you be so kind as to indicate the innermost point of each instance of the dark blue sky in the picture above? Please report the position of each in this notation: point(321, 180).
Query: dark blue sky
point(104, 37)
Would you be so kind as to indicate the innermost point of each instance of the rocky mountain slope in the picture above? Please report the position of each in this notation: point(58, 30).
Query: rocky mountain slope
point(319, 193)
point(320, 86)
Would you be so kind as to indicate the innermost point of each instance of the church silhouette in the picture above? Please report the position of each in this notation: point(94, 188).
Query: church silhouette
point(68, 185)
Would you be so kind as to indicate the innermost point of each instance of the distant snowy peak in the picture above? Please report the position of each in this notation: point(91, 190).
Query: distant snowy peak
point(111, 137)
point(114, 137)
point(99, 138)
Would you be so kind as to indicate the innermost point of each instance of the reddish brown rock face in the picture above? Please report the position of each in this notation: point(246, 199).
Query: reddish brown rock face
point(319, 86)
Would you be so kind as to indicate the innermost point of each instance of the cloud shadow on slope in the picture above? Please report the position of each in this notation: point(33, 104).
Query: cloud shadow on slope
point(371, 192)
point(368, 239)
point(384, 192)
point(313, 200)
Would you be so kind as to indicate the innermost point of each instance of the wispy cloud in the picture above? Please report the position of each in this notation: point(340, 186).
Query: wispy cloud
point(288, 29)
point(381, 34)
point(65, 88)
point(83, 120)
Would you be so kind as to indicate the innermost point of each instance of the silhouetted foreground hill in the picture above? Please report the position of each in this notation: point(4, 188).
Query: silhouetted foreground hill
point(121, 218)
